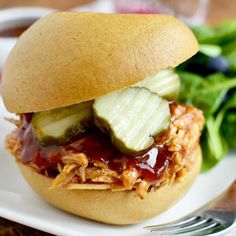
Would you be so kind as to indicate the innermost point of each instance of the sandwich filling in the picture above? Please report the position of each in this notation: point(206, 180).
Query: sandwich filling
point(91, 161)
point(132, 139)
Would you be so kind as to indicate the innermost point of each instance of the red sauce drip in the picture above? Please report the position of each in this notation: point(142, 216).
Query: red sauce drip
point(97, 147)
point(44, 158)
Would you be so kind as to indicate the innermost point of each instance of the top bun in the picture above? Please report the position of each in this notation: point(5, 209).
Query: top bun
point(67, 58)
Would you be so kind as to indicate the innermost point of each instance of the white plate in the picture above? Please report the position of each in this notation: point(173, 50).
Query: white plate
point(19, 203)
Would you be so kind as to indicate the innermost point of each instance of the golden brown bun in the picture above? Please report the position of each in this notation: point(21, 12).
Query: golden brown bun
point(112, 207)
point(67, 58)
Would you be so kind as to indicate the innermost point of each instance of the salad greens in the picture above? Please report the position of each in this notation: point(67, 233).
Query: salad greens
point(208, 81)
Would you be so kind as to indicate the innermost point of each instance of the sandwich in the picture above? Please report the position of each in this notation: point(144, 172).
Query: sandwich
point(100, 133)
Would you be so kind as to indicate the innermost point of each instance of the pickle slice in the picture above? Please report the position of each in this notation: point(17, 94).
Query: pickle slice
point(132, 117)
point(60, 125)
point(166, 83)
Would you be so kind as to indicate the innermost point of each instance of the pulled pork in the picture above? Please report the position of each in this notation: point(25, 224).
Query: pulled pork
point(79, 171)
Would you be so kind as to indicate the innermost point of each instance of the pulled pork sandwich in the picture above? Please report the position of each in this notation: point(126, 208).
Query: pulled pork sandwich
point(99, 133)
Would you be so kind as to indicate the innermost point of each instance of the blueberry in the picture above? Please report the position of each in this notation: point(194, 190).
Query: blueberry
point(218, 64)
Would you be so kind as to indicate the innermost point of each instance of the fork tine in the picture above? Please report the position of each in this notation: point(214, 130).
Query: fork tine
point(213, 218)
point(206, 230)
point(183, 228)
point(177, 223)
point(195, 231)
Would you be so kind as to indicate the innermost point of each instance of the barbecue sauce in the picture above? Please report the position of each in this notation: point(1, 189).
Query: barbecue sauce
point(98, 148)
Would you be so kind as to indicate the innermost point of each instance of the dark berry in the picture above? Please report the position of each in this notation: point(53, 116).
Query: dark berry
point(218, 64)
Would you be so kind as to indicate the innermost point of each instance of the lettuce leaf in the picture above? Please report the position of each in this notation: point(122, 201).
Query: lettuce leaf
point(209, 94)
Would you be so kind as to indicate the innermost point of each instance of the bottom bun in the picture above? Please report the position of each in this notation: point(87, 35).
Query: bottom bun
point(112, 207)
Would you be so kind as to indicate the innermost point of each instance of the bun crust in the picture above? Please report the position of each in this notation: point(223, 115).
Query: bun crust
point(112, 207)
point(67, 58)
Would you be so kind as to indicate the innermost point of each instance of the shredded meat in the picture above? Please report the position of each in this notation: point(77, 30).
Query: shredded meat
point(76, 171)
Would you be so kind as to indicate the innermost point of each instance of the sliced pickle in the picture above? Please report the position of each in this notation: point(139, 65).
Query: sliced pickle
point(166, 83)
point(132, 117)
point(58, 126)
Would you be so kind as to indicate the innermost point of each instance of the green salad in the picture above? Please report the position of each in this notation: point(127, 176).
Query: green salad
point(208, 81)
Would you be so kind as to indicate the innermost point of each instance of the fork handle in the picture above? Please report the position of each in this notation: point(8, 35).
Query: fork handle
point(227, 201)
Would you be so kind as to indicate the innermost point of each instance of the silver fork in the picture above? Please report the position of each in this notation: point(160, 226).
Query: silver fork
point(217, 217)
